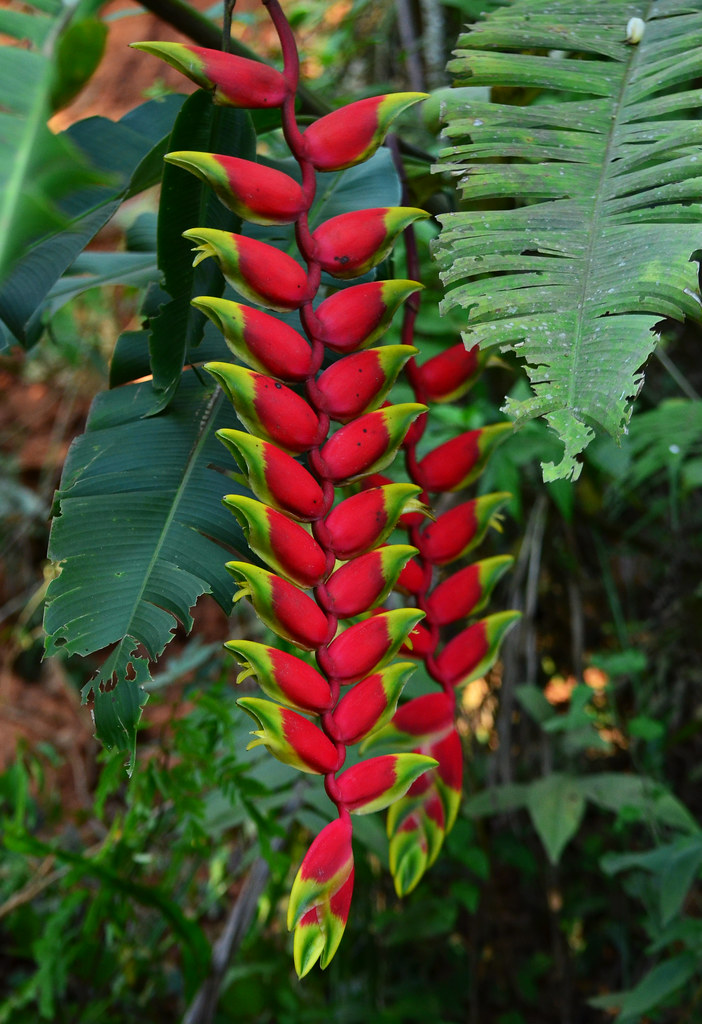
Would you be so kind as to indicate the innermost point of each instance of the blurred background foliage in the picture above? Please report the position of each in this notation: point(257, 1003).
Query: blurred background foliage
point(569, 891)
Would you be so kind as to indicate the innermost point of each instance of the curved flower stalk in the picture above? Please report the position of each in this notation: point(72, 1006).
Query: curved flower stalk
point(452, 597)
point(329, 568)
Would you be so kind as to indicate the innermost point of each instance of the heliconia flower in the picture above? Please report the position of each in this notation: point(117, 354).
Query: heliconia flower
point(456, 463)
point(462, 528)
point(473, 651)
point(421, 720)
point(353, 243)
point(282, 676)
point(359, 382)
point(411, 580)
point(373, 784)
point(268, 408)
point(285, 545)
point(370, 703)
point(323, 883)
point(320, 931)
point(251, 190)
point(357, 316)
point(364, 520)
point(292, 739)
point(448, 375)
point(259, 272)
point(258, 339)
point(368, 645)
point(419, 643)
point(368, 443)
point(286, 610)
point(416, 831)
point(237, 81)
point(365, 581)
point(448, 775)
point(352, 134)
point(275, 477)
point(467, 591)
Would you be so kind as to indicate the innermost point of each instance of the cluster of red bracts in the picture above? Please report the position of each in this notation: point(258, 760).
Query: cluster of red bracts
point(418, 822)
point(327, 559)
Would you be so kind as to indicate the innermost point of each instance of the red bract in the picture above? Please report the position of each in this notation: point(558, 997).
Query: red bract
point(257, 271)
point(353, 243)
point(253, 191)
point(449, 375)
point(282, 676)
point(274, 476)
point(457, 463)
point(365, 581)
point(285, 545)
point(267, 407)
point(237, 81)
point(353, 133)
point(261, 341)
point(364, 647)
point(358, 316)
point(356, 384)
point(286, 610)
point(460, 529)
point(364, 520)
point(368, 443)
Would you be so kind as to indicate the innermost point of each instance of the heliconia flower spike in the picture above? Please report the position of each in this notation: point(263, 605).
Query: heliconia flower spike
point(353, 243)
point(268, 408)
point(285, 545)
point(286, 610)
point(259, 272)
point(373, 784)
point(292, 739)
point(358, 316)
point(283, 676)
point(456, 463)
point(365, 520)
point(451, 373)
point(258, 339)
point(368, 443)
point(359, 382)
point(353, 133)
point(462, 528)
point(275, 477)
point(466, 592)
point(370, 703)
point(365, 581)
point(472, 652)
point(252, 191)
point(368, 645)
point(236, 81)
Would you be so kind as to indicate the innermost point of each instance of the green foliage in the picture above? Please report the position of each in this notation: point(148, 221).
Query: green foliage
point(149, 481)
point(582, 207)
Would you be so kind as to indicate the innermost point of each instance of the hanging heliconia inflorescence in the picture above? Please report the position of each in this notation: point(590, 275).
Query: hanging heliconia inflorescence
point(450, 596)
point(324, 542)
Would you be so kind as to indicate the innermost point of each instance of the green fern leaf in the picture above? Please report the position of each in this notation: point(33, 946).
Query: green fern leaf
point(139, 535)
point(583, 208)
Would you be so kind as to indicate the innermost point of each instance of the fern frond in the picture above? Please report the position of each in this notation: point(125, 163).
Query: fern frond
point(583, 208)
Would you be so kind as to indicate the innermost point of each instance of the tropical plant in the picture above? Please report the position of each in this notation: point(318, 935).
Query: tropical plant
point(583, 205)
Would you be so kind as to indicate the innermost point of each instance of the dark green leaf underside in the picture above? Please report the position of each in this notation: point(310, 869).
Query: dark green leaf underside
point(582, 209)
point(140, 535)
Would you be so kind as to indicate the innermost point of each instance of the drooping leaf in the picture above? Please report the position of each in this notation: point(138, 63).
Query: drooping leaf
point(139, 535)
point(582, 208)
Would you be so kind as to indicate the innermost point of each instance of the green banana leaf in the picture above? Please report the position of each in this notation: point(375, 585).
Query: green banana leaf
point(581, 210)
point(139, 535)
